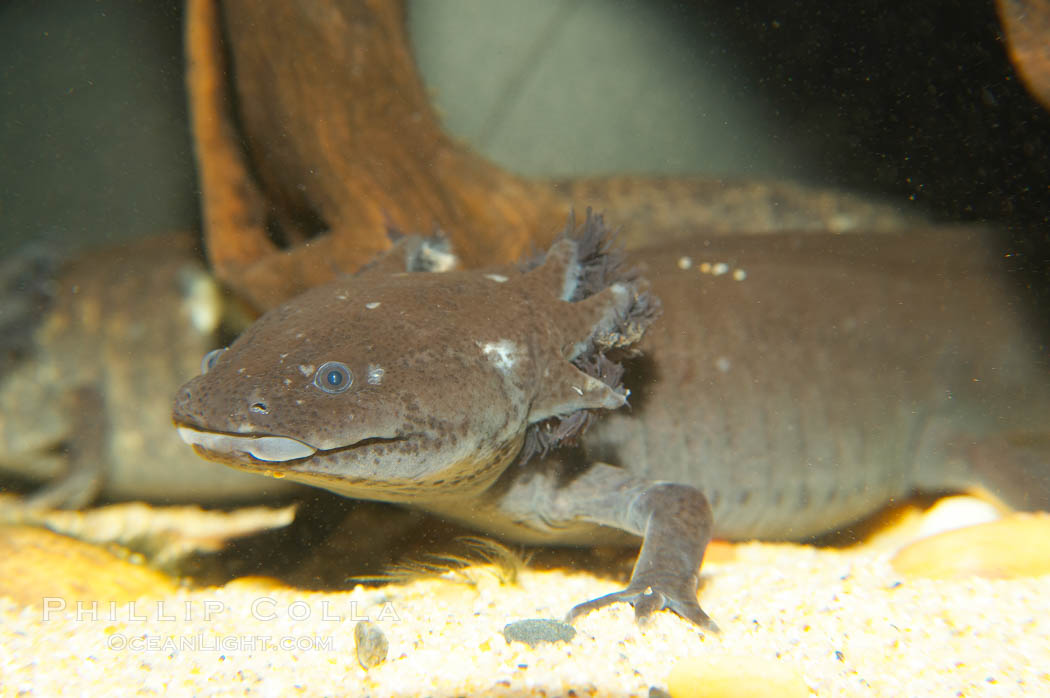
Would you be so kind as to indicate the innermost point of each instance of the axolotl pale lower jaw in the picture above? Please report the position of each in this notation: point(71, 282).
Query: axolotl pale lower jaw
point(794, 383)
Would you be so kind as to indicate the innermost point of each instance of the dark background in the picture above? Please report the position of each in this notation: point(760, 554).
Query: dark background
point(916, 100)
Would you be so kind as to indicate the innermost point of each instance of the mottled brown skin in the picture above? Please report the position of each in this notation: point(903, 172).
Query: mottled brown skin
point(802, 385)
point(83, 408)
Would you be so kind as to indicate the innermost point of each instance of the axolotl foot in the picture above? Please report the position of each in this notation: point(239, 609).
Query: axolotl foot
point(675, 523)
point(647, 597)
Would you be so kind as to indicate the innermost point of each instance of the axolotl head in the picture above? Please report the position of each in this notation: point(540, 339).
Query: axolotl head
point(410, 385)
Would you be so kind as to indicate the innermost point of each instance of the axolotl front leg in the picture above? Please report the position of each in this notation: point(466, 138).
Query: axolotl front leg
point(673, 520)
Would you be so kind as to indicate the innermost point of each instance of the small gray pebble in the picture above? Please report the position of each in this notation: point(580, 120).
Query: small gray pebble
point(536, 630)
point(371, 644)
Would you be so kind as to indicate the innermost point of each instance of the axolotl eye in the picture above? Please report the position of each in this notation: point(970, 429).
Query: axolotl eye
point(208, 362)
point(334, 377)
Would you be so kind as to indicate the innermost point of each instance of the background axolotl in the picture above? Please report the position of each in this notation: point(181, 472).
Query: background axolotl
point(91, 349)
point(792, 384)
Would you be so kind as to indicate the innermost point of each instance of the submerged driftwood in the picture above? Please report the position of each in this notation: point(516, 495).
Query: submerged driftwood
point(314, 134)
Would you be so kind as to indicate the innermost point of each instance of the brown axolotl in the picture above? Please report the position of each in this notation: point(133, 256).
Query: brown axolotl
point(791, 385)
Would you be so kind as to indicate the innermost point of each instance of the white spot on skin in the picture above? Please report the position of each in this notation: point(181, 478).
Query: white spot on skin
point(685, 263)
point(578, 389)
point(498, 278)
point(306, 369)
point(721, 268)
point(723, 364)
point(287, 381)
point(502, 353)
point(373, 305)
point(375, 375)
point(299, 335)
point(340, 296)
point(240, 370)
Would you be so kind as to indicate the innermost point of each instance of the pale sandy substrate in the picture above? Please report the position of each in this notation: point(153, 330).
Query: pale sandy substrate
point(844, 622)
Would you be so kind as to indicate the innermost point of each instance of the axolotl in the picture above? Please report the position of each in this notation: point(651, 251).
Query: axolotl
point(788, 385)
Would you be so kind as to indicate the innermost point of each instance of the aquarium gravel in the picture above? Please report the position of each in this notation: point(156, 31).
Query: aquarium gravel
point(834, 622)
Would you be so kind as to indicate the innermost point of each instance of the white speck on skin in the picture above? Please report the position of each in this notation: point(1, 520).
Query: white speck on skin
point(375, 374)
point(341, 296)
point(240, 370)
point(299, 335)
point(578, 389)
point(306, 369)
point(498, 278)
point(373, 305)
point(723, 364)
point(287, 381)
point(502, 353)
point(685, 263)
point(719, 268)
point(739, 275)
point(298, 402)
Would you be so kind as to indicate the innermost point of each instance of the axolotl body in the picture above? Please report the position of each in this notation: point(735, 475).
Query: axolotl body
point(789, 385)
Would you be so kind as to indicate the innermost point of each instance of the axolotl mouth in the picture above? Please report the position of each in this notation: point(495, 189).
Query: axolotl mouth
point(262, 447)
